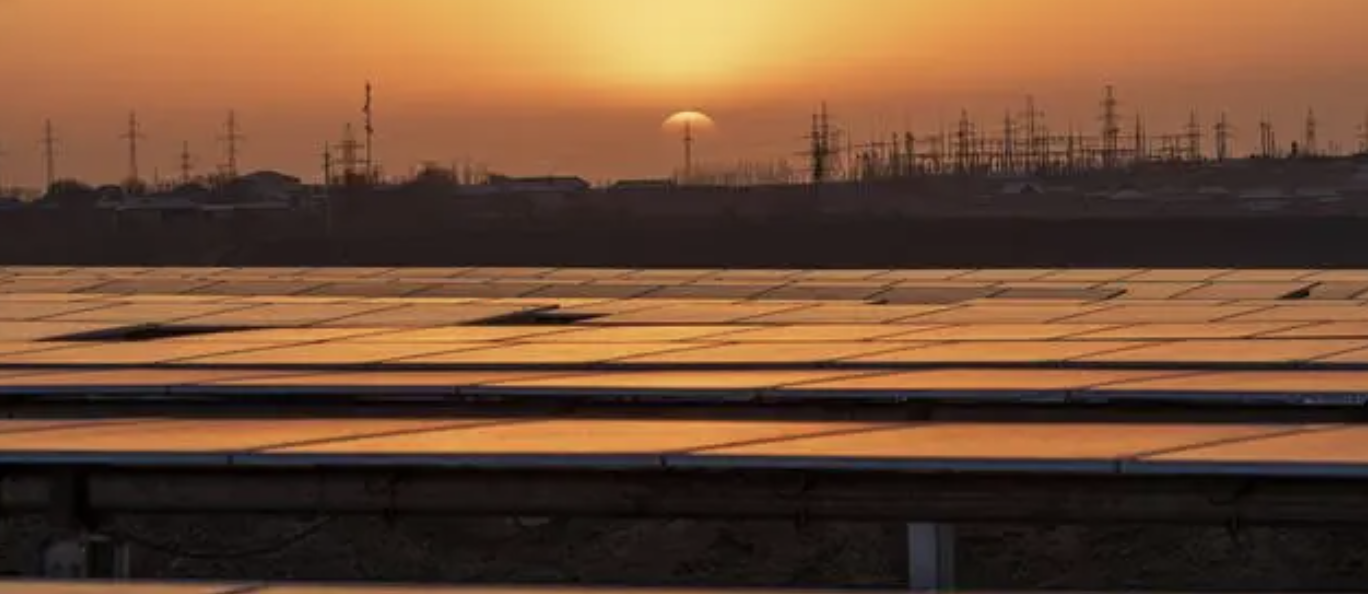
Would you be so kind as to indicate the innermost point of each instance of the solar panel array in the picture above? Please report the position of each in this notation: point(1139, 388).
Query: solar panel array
point(761, 338)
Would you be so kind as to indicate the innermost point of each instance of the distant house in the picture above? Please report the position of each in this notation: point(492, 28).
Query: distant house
point(265, 186)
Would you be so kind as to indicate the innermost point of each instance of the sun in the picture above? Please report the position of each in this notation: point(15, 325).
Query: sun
point(694, 119)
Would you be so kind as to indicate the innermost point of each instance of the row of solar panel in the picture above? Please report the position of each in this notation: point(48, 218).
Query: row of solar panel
point(383, 313)
point(586, 444)
point(1302, 388)
point(890, 292)
point(533, 353)
point(961, 274)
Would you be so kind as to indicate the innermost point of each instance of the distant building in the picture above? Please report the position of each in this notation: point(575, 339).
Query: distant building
point(644, 184)
point(560, 184)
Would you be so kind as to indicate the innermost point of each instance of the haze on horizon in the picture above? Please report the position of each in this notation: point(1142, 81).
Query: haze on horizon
point(580, 87)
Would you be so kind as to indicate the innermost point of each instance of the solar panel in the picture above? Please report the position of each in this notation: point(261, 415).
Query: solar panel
point(1188, 331)
point(697, 314)
point(752, 275)
point(745, 382)
point(287, 314)
point(1305, 313)
point(1177, 275)
point(1264, 276)
point(35, 311)
point(920, 275)
point(33, 331)
point(1006, 314)
point(1150, 290)
point(933, 295)
point(480, 289)
point(1323, 451)
point(121, 353)
point(1000, 332)
point(711, 290)
point(1324, 330)
point(388, 383)
point(639, 334)
point(826, 313)
point(467, 334)
point(612, 290)
point(375, 315)
point(151, 285)
point(328, 353)
point(995, 352)
point(1090, 275)
point(257, 287)
point(817, 333)
point(199, 441)
point(146, 313)
point(120, 381)
point(838, 275)
point(369, 289)
point(995, 275)
point(551, 443)
point(968, 381)
point(1161, 314)
point(826, 291)
point(545, 354)
point(1229, 351)
point(772, 353)
point(1030, 447)
point(1228, 290)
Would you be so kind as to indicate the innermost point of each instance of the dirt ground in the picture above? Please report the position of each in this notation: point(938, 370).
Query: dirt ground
point(721, 553)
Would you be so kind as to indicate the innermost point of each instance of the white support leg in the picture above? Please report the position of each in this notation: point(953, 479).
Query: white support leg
point(931, 557)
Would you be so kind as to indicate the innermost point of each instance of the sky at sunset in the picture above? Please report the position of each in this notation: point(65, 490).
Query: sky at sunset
point(581, 86)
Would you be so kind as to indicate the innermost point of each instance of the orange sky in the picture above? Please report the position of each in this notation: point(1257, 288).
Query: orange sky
point(580, 86)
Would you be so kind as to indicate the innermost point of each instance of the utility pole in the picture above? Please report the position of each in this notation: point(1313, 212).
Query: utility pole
point(688, 151)
point(232, 136)
point(370, 136)
point(1309, 142)
point(1268, 142)
point(133, 134)
point(1224, 134)
point(1009, 130)
point(186, 163)
point(3, 154)
point(1140, 141)
point(1111, 127)
point(964, 145)
point(49, 153)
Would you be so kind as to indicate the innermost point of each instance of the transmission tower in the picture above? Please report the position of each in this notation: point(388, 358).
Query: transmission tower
point(964, 143)
point(1193, 137)
point(1309, 141)
point(231, 137)
point(820, 151)
point(349, 147)
point(1111, 127)
point(187, 163)
point(1009, 140)
point(49, 153)
point(1268, 141)
point(1224, 135)
point(132, 134)
point(1033, 122)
